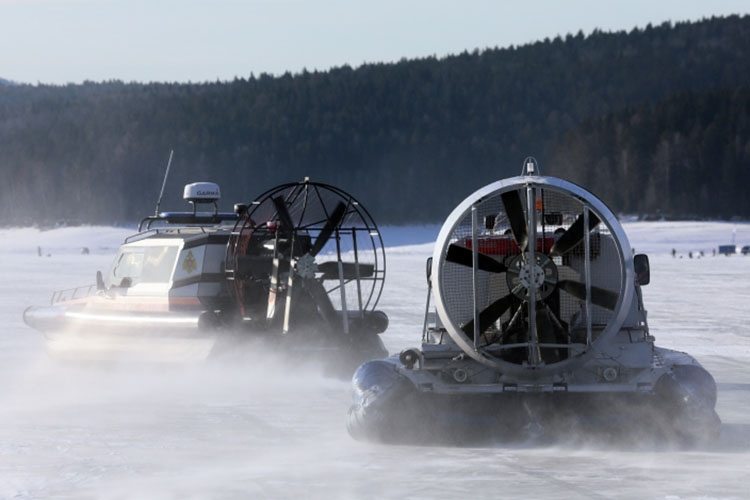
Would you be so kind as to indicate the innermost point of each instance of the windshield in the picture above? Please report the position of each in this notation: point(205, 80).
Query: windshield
point(151, 264)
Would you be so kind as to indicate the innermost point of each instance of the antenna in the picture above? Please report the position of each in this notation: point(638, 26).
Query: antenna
point(164, 182)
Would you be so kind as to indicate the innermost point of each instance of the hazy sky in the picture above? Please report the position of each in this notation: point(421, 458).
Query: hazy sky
point(59, 41)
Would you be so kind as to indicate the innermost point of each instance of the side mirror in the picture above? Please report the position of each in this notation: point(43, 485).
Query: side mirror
point(642, 269)
point(99, 281)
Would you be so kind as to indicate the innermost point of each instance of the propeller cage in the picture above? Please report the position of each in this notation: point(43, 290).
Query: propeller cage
point(521, 286)
point(323, 237)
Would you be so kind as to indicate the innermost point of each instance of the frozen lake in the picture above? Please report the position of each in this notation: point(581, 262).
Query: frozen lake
point(265, 429)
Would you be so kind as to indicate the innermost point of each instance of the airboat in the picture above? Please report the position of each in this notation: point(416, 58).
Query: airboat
point(538, 329)
point(301, 267)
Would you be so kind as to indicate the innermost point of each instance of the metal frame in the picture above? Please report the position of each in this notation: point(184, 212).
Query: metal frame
point(368, 225)
point(72, 293)
point(591, 203)
point(474, 272)
point(534, 353)
point(187, 218)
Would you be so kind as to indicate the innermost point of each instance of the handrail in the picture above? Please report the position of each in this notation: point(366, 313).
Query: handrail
point(130, 238)
point(72, 293)
point(186, 218)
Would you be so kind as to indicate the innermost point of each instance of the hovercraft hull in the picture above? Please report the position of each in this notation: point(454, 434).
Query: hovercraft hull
point(390, 407)
point(81, 334)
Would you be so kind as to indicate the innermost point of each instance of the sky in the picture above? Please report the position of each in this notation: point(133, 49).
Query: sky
point(69, 41)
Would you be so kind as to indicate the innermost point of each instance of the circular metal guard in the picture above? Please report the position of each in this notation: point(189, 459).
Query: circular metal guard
point(310, 245)
point(530, 273)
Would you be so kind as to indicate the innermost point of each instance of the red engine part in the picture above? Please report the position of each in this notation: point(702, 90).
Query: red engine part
point(506, 245)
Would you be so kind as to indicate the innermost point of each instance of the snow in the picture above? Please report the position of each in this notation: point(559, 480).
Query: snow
point(264, 429)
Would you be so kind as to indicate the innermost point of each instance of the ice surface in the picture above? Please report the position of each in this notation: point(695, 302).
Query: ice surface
point(264, 429)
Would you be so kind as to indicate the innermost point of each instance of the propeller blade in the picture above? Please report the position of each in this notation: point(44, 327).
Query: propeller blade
point(573, 236)
point(464, 256)
point(514, 208)
point(544, 328)
point(322, 302)
point(599, 296)
point(547, 334)
point(287, 226)
point(330, 270)
point(489, 315)
point(325, 234)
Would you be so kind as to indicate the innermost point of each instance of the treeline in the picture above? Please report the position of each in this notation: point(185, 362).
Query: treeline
point(688, 156)
point(409, 139)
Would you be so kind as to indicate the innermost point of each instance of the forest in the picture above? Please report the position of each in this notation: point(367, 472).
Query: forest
point(654, 121)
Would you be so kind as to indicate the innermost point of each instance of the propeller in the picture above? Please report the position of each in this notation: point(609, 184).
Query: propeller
point(573, 236)
point(330, 270)
point(514, 208)
point(287, 226)
point(322, 301)
point(599, 296)
point(489, 315)
point(547, 333)
point(465, 256)
point(332, 223)
point(276, 251)
point(544, 328)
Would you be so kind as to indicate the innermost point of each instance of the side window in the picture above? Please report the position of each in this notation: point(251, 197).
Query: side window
point(143, 265)
point(158, 264)
point(129, 265)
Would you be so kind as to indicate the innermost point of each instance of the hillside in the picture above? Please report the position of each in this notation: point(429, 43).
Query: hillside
point(686, 156)
point(409, 139)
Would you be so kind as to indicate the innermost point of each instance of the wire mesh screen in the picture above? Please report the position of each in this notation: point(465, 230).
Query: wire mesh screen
point(561, 266)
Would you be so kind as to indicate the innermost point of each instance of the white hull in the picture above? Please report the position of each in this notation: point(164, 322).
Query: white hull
point(100, 346)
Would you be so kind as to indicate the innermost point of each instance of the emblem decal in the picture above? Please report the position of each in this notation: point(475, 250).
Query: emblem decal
point(189, 264)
